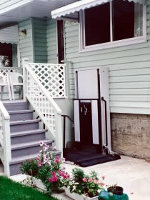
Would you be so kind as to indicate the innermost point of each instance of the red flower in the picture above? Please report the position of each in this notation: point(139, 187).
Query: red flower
point(53, 178)
point(57, 161)
point(53, 173)
point(65, 175)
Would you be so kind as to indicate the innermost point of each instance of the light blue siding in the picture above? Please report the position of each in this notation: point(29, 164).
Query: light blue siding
point(129, 69)
point(52, 41)
point(34, 44)
point(39, 40)
point(26, 42)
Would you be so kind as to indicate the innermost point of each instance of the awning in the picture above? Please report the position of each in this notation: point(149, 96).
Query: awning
point(81, 5)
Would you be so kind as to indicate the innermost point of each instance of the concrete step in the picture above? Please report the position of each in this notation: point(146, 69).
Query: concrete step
point(15, 163)
point(28, 148)
point(28, 136)
point(16, 105)
point(21, 115)
point(18, 126)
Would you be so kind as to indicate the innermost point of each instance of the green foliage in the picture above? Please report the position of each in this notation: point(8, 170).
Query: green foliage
point(78, 174)
point(47, 168)
point(82, 183)
point(44, 172)
point(10, 190)
point(30, 167)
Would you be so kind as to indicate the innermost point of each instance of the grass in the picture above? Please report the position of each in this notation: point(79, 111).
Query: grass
point(10, 190)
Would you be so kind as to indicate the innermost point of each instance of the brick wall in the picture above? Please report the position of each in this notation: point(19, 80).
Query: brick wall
point(131, 134)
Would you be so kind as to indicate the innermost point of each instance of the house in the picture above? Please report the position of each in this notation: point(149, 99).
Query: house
point(117, 39)
point(115, 35)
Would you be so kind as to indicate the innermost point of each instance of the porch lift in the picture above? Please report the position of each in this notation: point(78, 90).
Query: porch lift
point(92, 136)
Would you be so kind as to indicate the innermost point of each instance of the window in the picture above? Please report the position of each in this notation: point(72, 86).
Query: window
point(112, 23)
point(97, 27)
point(8, 55)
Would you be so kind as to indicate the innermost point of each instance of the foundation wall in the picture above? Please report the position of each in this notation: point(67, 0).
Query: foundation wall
point(131, 134)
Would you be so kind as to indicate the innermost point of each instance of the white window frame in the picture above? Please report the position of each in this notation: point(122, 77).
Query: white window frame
point(118, 43)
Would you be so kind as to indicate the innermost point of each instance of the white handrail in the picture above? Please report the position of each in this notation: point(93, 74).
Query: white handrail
point(5, 138)
point(4, 111)
point(45, 92)
point(44, 105)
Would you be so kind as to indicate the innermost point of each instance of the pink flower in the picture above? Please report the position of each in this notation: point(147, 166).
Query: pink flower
point(101, 184)
point(39, 164)
point(84, 180)
point(46, 148)
point(90, 180)
point(41, 143)
point(53, 179)
point(65, 175)
point(57, 159)
point(38, 158)
point(53, 173)
point(103, 177)
point(53, 148)
point(95, 181)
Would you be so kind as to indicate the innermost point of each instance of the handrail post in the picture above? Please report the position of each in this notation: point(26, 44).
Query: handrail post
point(59, 133)
point(6, 145)
point(24, 62)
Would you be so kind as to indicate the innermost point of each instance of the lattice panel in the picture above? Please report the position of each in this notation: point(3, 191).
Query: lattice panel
point(52, 77)
point(5, 70)
point(41, 103)
point(1, 130)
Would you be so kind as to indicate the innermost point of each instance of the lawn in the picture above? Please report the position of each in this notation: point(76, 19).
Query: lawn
point(10, 190)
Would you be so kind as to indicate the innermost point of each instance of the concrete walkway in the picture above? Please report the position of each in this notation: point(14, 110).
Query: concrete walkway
point(130, 173)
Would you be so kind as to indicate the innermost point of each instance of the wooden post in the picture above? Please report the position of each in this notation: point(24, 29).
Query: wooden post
point(6, 145)
point(59, 133)
point(25, 61)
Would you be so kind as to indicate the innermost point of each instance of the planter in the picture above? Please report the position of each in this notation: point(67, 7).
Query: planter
point(105, 195)
point(76, 196)
point(38, 183)
point(116, 190)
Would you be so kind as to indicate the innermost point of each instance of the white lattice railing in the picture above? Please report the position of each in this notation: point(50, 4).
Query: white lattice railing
point(5, 70)
point(5, 149)
point(52, 77)
point(44, 105)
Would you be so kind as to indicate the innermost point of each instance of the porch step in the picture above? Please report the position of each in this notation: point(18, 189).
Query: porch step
point(18, 126)
point(28, 148)
point(98, 160)
point(27, 136)
point(25, 133)
point(87, 157)
point(21, 115)
point(16, 105)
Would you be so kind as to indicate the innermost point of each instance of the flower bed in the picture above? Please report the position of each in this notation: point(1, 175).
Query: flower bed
point(46, 173)
point(47, 168)
point(87, 186)
point(77, 196)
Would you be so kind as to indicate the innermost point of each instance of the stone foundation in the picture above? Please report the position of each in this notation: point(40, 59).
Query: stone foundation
point(131, 134)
